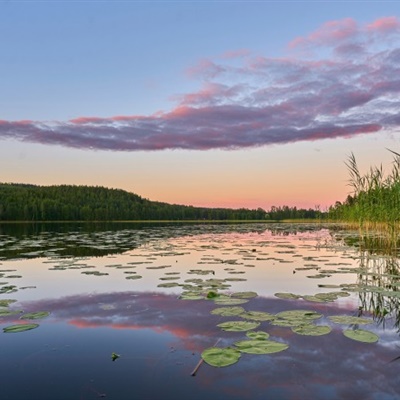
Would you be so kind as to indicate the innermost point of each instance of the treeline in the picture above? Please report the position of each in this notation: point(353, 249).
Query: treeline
point(286, 212)
point(22, 202)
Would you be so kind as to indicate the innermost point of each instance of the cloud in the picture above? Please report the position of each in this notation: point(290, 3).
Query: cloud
point(338, 81)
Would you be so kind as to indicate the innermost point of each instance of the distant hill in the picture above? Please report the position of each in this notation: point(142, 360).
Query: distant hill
point(25, 202)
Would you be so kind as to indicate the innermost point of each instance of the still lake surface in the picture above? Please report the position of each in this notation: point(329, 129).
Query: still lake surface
point(140, 291)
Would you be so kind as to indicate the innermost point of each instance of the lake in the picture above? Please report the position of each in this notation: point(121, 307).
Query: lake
point(125, 311)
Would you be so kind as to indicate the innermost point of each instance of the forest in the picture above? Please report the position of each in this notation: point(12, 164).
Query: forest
point(25, 202)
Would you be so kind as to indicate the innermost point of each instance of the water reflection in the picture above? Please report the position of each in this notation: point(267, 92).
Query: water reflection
point(160, 337)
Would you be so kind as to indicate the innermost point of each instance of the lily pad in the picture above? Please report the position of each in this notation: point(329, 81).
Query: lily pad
point(19, 328)
point(220, 357)
point(6, 312)
point(191, 296)
point(229, 301)
point(35, 315)
point(257, 335)
point(245, 295)
point(6, 302)
point(257, 316)
point(238, 326)
point(312, 330)
point(361, 335)
point(349, 320)
point(133, 277)
point(228, 311)
point(168, 285)
point(260, 346)
point(287, 296)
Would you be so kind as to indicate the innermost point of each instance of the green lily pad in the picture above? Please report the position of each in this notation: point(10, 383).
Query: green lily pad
point(224, 300)
point(287, 296)
point(257, 335)
point(6, 312)
point(238, 326)
point(168, 285)
point(19, 328)
point(8, 289)
point(6, 302)
point(293, 318)
point(361, 335)
point(220, 357)
point(312, 330)
point(260, 346)
point(228, 311)
point(306, 315)
point(191, 296)
point(133, 277)
point(257, 316)
point(35, 315)
point(245, 295)
point(349, 320)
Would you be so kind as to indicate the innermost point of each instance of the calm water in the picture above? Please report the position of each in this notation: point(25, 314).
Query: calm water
point(117, 289)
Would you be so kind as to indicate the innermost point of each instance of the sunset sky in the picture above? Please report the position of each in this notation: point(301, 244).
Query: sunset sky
point(210, 103)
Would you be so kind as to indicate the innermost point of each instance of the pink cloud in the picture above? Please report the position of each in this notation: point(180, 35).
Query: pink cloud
point(257, 101)
point(205, 68)
point(329, 33)
point(384, 24)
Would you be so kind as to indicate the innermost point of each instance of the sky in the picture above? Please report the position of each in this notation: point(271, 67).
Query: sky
point(205, 103)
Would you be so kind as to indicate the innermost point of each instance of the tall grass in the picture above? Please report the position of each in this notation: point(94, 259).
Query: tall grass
point(375, 200)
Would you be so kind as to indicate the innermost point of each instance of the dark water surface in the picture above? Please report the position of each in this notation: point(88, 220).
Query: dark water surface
point(78, 273)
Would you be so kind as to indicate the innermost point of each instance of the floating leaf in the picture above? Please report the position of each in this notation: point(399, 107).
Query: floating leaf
point(168, 285)
point(114, 356)
point(312, 330)
point(238, 326)
point(191, 296)
point(260, 346)
point(220, 357)
point(6, 312)
point(286, 296)
point(228, 311)
point(361, 335)
point(35, 315)
point(245, 295)
point(6, 302)
point(295, 318)
point(257, 335)
point(19, 328)
point(133, 277)
point(258, 316)
point(229, 301)
point(349, 320)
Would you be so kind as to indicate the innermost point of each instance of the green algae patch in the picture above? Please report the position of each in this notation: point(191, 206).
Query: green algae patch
point(220, 357)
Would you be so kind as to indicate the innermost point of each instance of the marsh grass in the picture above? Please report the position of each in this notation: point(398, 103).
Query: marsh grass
point(374, 205)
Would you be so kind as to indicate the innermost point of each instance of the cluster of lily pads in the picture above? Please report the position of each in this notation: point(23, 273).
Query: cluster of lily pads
point(301, 322)
point(6, 312)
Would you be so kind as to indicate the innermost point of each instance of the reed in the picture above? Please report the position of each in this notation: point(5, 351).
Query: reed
point(374, 205)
